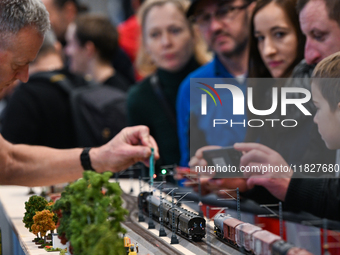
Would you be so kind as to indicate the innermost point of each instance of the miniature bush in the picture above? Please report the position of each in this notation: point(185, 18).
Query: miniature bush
point(90, 217)
point(43, 222)
point(34, 204)
point(49, 207)
point(50, 248)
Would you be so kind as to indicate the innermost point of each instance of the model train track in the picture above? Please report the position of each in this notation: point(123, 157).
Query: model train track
point(149, 237)
point(232, 246)
point(227, 249)
point(202, 245)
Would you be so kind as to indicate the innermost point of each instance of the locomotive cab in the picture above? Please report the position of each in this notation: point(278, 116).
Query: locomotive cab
point(142, 203)
point(196, 228)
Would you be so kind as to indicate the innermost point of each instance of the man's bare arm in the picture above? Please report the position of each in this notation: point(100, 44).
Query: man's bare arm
point(39, 166)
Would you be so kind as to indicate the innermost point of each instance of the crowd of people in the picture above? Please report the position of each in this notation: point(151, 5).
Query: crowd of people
point(150, 60)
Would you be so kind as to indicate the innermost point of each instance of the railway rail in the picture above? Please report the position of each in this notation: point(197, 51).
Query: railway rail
point(131, 223)
point(164, 246)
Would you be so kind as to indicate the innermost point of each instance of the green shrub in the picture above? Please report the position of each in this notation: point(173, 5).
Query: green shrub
point(90, 219)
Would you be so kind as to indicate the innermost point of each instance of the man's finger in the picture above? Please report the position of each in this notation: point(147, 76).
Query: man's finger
point(199, 152)
point(253, 169)
point(254, 156)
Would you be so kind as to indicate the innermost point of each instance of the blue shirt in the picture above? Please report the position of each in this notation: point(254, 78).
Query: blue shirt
point(223, 135)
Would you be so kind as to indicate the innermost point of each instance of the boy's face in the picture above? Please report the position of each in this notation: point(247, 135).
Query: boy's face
point(328, 121)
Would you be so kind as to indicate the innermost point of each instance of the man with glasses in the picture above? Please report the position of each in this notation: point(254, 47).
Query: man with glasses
point(225, 27)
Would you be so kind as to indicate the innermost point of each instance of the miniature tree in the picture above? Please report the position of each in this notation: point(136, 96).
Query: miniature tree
point(34, 204)
point(49, 207)
point(43, 222)
point(102, 240)
point(62, 208)
point(89, 216)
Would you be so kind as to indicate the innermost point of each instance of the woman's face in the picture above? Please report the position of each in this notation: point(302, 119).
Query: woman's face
point(276, 39)
point(167, 37)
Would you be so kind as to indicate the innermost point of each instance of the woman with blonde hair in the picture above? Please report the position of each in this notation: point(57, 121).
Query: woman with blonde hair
point(170, 49)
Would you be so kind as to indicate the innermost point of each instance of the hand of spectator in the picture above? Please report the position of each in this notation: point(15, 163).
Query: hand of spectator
point(262, 158)
point(221, 187)
point(129, 146)
point(208, 183)
point(197, 160)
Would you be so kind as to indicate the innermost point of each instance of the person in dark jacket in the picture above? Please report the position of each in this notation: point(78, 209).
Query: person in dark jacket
point(167, 55)
point(41, 107)
point(91, 43)
point(276, 48)
point(312, 195)
point(21, 36)
point(319, 196)
point(64, 12)
point(38, 109)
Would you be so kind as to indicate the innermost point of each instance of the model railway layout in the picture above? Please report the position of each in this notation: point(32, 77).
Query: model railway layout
point(245, 237)
point(164, 247)
point(187, 223)
point(252, 238)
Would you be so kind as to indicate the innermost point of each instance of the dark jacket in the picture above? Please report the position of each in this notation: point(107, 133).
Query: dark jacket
point(144, 108)
point(320, 197)
point(39, 113)
point(118, 81)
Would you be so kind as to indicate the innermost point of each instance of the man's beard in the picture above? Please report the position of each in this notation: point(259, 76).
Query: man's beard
point(238, 50)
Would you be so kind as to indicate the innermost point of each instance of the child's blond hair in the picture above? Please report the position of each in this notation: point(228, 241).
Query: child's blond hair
point(330, 88)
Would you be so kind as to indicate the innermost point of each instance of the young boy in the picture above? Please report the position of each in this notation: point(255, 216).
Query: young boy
point(326, 97)
point(320, 197)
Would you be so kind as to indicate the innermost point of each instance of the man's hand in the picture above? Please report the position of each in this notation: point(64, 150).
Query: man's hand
point(217, 185)
point(197, 160)
point(260, 156)
point(129, 146)
point(208, 183)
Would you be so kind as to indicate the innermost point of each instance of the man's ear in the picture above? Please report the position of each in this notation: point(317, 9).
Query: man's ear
point(337, 112)
point(90, 49)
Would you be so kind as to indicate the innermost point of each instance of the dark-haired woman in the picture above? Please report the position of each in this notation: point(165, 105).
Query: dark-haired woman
point(277, 47)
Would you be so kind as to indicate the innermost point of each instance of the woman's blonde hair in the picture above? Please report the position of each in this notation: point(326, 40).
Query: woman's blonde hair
point(144, 63)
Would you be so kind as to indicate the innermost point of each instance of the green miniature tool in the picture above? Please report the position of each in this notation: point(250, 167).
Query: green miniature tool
point(152, 166)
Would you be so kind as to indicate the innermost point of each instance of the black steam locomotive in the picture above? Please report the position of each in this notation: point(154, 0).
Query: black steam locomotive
point(187, 223)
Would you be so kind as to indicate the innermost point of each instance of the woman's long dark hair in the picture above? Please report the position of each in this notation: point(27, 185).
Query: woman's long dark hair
point(257, 68)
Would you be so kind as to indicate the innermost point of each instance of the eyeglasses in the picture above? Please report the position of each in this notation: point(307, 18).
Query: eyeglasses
point(224, 12)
